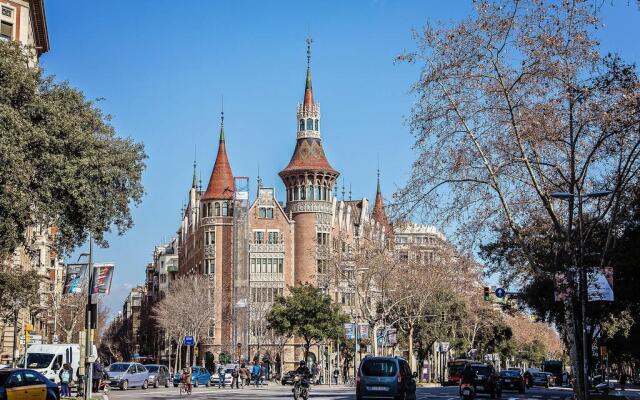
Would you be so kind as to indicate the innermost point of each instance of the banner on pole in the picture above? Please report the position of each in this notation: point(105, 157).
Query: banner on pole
point(75, 278)
point(600, 287)
point(102, 275)
point(349, 331)
point(363, 333)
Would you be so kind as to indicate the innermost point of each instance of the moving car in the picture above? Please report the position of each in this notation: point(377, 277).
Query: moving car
point(26, 384)
point(158, 375)
point(199, 376)
point(486, 380)
point(513, 379)
point(541, 379)
point(287, 379)
point(128, 374)
point(385, 378)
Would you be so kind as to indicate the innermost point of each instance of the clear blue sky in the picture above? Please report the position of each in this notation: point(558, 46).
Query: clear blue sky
point(163, 66)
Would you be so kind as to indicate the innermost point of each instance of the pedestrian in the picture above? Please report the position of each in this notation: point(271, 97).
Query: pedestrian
point(98, 369)
point(65, 375)
point(336, 375)
point(263, 373)
point(243, 375)
point(221, 380)
point(623, 380)
point(235, 377)
point(255, 373)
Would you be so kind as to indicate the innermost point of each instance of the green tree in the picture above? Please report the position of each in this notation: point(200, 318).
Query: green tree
point(307, 313)
point(61, 162)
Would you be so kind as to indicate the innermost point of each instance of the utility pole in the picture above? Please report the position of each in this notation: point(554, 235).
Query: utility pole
point(88, 387)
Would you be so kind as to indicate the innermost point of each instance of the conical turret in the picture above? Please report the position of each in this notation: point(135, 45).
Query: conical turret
point(221, 181)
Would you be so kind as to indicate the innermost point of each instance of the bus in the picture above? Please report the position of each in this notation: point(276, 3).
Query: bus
point(554, 367)
point(454, 369)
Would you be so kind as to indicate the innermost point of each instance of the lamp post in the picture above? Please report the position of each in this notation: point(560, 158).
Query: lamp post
point(583, 293)
point(356, 315)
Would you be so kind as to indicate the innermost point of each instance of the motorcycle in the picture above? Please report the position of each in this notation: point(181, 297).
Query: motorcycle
point(467, 391)
point(299, 390)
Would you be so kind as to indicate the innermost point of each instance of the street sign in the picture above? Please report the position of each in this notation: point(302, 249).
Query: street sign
point(188, 341)
point(444, 347)
point(500, 292)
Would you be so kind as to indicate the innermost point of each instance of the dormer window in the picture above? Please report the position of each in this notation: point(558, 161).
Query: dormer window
point(309, 124)
point(301, 125)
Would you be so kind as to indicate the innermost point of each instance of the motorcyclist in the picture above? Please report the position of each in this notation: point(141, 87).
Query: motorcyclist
point(468, 375)
point(304, 372)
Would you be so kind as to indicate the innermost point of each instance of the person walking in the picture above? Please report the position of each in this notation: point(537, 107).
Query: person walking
point(221, 377)
point(65, 375)
point(98, 369)
point(336, 375)
point(263, 373)
point(243, 375)
point(235, 377)
point(255, 373)
point(623, 380)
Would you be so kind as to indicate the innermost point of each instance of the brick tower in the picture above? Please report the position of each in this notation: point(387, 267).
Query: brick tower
point(309, 180)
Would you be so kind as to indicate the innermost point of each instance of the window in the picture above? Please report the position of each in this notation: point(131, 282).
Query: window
point(280, 265)
point(303, 192)
point(259, 237)
point(265, 212)
point(6, 30)
point(7, 12)
point(322, 238)
point(217, 208)
point(225, 209)
point(404, 256)
point(322, 266)
point(302, 124)
point(309, 124)
point(210, 266)
point(209, 237)
point(316, 124)
point(273, 237)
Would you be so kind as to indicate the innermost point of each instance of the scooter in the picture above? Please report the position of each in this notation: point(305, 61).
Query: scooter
point(467, 391)
point(299, 391)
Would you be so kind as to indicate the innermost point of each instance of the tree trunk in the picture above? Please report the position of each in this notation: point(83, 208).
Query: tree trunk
point(573, 337)
point(412, 361)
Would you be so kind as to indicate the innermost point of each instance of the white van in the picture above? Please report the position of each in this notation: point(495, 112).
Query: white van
point(49, 358)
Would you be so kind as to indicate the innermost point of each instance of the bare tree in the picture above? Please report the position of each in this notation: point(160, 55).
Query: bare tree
point(516, 103)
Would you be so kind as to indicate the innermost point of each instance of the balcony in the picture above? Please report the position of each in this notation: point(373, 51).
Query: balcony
point(267, 277)
point(266, 248)
point(172, 268)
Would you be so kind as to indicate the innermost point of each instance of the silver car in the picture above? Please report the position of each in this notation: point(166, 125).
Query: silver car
point(158, 375)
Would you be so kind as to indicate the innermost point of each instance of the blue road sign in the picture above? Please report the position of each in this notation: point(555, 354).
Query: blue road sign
point(188, 341)
point(500, 292)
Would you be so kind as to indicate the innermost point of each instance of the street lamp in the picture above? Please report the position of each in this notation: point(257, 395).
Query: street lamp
point(582, 276)
point(356, 314)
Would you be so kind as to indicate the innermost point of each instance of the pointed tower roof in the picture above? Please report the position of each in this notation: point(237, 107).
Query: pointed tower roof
point(221, 181)
point(379, 214)
point(308, 88)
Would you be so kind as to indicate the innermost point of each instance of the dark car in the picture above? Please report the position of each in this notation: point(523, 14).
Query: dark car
point(287, 379)
point(26, 384)
point(486, 380)
point(385, 378)
point(513, 379)
point(541, 379)
point(199, 376)
point(158, 375)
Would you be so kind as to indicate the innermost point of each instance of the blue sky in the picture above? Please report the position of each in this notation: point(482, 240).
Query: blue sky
point(163, 66)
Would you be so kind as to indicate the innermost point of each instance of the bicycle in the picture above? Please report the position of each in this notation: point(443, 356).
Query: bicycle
point(185, 388)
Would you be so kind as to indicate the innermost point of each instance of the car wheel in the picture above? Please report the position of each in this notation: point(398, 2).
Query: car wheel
point(124, 385)
point(195, 384)
point(145, 384)
point(174, 385)
point(166, 383)
point(156, 384)
point(208, 384)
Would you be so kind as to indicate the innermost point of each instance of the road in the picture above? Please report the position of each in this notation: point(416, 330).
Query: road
point(324, 393)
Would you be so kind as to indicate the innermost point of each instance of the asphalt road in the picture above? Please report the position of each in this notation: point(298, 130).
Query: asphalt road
point(323, 393)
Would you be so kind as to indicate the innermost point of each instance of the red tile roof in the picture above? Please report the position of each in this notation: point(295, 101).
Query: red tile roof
point(308, 155)
point(221, 185)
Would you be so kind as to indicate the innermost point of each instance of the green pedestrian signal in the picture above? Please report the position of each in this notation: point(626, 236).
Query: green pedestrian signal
point(487, 293)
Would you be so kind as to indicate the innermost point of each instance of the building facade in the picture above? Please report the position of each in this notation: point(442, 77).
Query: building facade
point(254, 252)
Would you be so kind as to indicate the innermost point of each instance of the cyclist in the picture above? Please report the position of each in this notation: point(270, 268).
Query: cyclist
point(185, 378)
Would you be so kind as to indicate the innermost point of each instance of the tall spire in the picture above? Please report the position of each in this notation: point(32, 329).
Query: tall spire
point(308, 89)
point(379, 213)
point(194, 183)
point(221, 185)
point(222, 122)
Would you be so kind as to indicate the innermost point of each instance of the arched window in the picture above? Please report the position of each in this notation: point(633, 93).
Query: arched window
point(311, 193)
point(295, 193)
point(324, 194)
point(316, 124)
point(217, 208)
point(303, 192)
point(301, 124)
point(318, 191)
point(225, 209)
point(309, 124)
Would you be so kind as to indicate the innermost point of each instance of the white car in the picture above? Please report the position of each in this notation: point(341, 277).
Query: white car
point(227, 377)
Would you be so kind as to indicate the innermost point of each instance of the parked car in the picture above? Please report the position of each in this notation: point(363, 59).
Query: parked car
point(158, 375)
point(541, 379)
point(199, 376)
point(26, 384)
point(486, 380)
point(513, 379)
point(228, 378)
point(552, 378)
point(385, 378)
point(125, 375)
point(287, 379)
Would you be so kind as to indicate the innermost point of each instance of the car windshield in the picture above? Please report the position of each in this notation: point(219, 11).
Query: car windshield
point(3, 377)
point(481, 370)
point(539, 375)
point(152, 368)
point(118, 367)
point(510, 374)
point(379, 368)
point(39, 360)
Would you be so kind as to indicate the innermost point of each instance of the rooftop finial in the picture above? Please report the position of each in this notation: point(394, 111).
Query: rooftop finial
point(222, 121)
point(193, 183)
point(309, 41)
point(342, 188)
point(378, 189)
point(349, 191)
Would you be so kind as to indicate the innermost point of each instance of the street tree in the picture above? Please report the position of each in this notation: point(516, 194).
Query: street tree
point(19, 289)
point(307, 313)
point(61, 161)
point(515, 103)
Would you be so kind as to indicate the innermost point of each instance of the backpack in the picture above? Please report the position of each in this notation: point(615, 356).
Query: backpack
point(234, 373)
point(65, 376)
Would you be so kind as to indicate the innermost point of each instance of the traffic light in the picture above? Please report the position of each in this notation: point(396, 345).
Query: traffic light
point(27, 333)
point(487, 293)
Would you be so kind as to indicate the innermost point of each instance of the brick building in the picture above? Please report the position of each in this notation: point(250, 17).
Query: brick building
point(253, 252)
